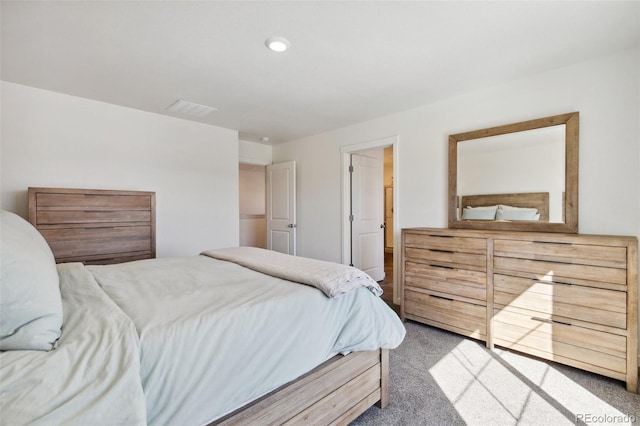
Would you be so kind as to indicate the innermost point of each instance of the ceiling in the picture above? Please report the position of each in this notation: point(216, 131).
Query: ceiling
point(349, 61)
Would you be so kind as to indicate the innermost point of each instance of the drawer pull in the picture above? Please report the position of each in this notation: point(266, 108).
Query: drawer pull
point(442, 251)
point(99, 227)
point(553, 242)
point(98, 211)
point(441, 266)
point(550, 282)
point(441, 297)
point(550, 321)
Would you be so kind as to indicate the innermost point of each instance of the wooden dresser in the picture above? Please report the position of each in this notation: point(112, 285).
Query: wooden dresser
point(95, 226)
point(568, 298)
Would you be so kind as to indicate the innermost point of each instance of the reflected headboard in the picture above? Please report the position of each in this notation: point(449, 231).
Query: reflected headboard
point(537, 200)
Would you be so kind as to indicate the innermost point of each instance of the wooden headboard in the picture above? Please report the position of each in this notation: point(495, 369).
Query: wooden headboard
point(537, 200)
point(95, 226)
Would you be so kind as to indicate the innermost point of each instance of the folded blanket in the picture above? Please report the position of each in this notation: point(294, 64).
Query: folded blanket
point(333, 279)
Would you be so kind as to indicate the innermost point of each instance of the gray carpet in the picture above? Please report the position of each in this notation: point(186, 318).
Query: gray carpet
point(440, 378)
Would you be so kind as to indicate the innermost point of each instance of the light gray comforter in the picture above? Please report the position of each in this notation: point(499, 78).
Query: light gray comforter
point(333, 279)
point(215, 335)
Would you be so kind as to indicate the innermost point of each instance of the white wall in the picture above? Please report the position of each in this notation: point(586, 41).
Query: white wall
point(55, 140)
point(255, 153)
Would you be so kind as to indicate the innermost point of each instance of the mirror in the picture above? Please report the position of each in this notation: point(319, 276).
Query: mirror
point(529, 169)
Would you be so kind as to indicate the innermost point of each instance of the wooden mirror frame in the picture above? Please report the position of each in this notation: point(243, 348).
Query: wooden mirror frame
point(570, 224)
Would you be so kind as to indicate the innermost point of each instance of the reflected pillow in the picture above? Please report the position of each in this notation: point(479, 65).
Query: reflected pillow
point(479, 213)
point(31, 306)
point(516, 213)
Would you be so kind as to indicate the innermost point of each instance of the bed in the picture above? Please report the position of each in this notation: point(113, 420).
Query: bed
point(530, 206)
point(229, 336)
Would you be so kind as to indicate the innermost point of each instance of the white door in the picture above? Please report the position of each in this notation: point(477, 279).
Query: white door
point(281, 207)
point(367, 208)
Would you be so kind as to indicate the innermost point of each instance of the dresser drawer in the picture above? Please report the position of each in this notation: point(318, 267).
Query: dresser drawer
point(593, 276)
point(588, 304)
point(538, 335)
point(459, 282)
point(91, 241)
point(446, 243)
point(461, 317)
point(579, 254)
point(456, 260)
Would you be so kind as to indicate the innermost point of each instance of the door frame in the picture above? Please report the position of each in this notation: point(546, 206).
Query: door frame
point(346, 151)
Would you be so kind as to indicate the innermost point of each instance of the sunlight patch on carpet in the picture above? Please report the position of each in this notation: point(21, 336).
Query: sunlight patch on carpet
point(503, 388)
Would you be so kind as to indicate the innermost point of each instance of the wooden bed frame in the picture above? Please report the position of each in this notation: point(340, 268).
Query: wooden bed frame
point(107, 226)
point(536, 200)
point(334, 393)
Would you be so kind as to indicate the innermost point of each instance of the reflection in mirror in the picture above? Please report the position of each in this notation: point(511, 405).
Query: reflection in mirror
point(517, 177)
point(523, 162)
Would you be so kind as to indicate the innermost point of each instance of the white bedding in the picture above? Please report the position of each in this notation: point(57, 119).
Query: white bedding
point(333, 279)
point(215, 335)
point(92, 376)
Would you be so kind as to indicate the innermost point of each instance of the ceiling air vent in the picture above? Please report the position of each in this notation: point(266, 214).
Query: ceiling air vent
point(189, 108)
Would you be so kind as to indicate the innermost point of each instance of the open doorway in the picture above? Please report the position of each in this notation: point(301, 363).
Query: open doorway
point(387, 283)
point(253, 228)
point(389, 222)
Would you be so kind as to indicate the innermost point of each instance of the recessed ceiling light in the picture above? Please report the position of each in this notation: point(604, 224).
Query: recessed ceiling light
point(190, 108)
point(277, 44)
point(264, 139)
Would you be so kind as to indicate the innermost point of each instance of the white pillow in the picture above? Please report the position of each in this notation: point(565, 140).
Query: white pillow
point(516, 213)
point(30, 304)
point(479, 213)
